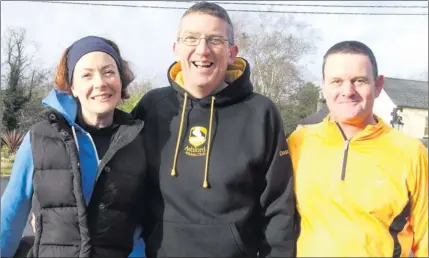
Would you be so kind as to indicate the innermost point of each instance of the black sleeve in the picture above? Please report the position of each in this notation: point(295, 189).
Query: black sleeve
point(142, 111)
point(139, 111)
point(278, 197)
point(143, 212)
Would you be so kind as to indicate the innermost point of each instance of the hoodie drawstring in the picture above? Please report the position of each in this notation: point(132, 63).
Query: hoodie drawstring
point(206, 169)
point(173, 170)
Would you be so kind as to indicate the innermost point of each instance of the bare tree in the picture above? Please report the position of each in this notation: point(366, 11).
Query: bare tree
point(274, 47)
point(18, 77)
point(32, 110)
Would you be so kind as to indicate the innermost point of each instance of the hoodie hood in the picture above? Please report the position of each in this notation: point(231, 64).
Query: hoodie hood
point(237, 79)
point(64, 103)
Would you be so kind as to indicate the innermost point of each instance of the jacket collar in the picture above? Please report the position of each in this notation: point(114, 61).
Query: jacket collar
point(332, 130)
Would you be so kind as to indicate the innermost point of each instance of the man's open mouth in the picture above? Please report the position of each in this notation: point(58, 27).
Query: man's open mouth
point(202, 64)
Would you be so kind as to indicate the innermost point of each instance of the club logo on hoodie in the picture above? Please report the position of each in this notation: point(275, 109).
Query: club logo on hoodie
point(197, 137)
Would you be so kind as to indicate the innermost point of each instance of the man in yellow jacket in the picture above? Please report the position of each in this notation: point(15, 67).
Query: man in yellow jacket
point(361, 186)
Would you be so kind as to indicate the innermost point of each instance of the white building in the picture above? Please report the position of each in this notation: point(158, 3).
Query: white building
point(409, 99)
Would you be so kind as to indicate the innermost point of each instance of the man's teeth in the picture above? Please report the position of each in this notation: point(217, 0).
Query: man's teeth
point(203, 64)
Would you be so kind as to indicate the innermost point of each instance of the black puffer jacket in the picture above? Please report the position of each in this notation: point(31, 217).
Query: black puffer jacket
point(65, 225)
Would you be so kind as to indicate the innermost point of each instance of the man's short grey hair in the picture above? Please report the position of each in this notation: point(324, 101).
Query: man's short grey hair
point(214, 10)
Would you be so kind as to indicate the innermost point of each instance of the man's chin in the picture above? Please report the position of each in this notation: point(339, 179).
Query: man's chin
point(346, 115)
point(357, 119)
point(204, 84)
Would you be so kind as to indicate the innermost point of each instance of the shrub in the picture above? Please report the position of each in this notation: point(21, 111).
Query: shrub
point(12, 139)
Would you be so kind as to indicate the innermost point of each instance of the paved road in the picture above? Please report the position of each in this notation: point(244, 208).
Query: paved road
point(3, 184)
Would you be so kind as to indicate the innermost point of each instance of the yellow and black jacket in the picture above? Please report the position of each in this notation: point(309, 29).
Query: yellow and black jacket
point(366, 196)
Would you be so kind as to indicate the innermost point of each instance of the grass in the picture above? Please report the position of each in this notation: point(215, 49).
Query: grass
point(6, 171)
point(6, 162)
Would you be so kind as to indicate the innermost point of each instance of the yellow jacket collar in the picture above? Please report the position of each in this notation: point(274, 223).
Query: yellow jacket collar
point(370, 131)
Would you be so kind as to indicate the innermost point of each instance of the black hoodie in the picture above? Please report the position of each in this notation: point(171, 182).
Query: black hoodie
point(220, 175)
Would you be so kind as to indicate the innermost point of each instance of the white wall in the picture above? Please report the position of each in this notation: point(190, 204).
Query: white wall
point(414, 121)
point(383, 106)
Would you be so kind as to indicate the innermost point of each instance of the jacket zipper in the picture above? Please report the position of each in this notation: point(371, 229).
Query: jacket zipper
point(345, 153)
point(346, 150)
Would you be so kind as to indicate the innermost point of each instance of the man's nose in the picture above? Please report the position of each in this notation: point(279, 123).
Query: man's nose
point(203, 47)
point(348, 89)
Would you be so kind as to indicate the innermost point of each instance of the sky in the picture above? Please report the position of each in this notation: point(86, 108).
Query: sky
point(145, 35)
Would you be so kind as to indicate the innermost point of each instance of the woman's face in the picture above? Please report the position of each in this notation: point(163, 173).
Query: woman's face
point(97, 83)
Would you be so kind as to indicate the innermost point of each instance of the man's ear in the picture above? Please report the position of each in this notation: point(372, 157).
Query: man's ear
point(233, 52)
point(379, 83)
point(176, 48)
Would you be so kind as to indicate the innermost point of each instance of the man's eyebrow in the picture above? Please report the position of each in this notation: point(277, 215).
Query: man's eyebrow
point(360, 77)
point(214, 33)
point(333, 78)
point(190, 32)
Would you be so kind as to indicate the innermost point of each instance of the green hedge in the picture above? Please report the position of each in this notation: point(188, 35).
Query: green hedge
point(7, 159)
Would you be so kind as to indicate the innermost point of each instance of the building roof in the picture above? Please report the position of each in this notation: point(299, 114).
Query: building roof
point(315, 117)
point(425, 141)
point(407, 93)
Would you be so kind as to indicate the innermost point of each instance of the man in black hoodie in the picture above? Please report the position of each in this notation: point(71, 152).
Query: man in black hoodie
point(220, 175)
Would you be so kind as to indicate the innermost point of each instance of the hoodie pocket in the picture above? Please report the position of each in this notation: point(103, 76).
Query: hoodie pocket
point(182, 239)
point(238, 239)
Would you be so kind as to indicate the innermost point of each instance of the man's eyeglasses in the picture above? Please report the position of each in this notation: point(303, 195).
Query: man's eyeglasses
point(194, 41)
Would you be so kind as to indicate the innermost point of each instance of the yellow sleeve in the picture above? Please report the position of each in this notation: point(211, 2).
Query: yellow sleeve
point(293, 145)
point(419, 200)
